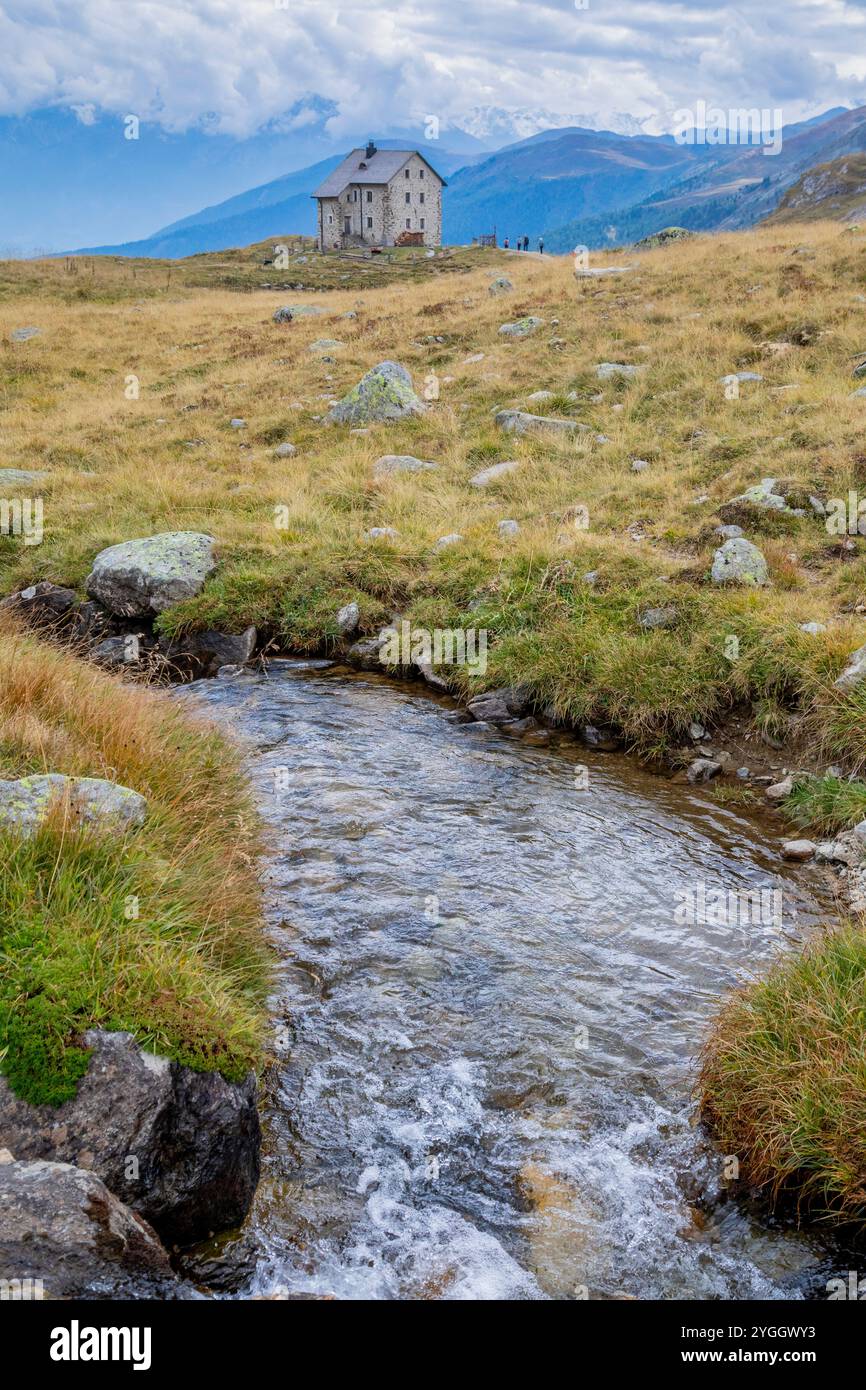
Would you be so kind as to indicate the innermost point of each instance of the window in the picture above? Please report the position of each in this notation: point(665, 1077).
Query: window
point(420, 173)
point(408, 224)
point(422, 197)
point(422, 224)
point(369, 195)
point(369, 221)
point(407, 173)
point(330, 219)
point(354, 195)
point(408, 197)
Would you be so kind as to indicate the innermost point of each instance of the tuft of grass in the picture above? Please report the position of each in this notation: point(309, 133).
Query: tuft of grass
point(783, 1079)
point(827, 804)
point(157, 932)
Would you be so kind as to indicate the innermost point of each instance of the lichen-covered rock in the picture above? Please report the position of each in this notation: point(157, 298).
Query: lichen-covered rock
point(522, 328)
point(501, 285)
point(24, 804)
point(62, 1226)
point(652, 618)
point(522, 422)
point(286, 450)
point(855, 671)
point(496, 470)
point(400, 463)
point(180, 1147)
point(21, 477)
point(662, 238)
point(383, 393)
point(738, 561)
point(149, 575)
point(766, 496)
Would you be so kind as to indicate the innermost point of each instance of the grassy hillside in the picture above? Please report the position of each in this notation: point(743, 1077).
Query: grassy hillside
point(834, 190)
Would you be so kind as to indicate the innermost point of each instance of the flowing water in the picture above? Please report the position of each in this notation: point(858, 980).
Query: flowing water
point(491, 994)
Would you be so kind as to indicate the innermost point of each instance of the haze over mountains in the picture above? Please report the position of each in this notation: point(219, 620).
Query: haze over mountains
point(573, 185)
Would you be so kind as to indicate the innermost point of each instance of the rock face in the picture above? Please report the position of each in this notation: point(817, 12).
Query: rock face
point(522, 422)
point(496, 470)
point(147, 576)
point(25, 804)
point(62, 1225)
point(178, 1146)
point(521, 328)
point(739, 562)
point(400, 463)
point(854, 672)
point(383, 393)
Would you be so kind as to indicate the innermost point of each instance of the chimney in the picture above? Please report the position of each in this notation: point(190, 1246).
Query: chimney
point(370, 150)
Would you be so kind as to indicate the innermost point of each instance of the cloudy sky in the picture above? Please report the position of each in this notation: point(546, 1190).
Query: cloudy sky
point(232, 65)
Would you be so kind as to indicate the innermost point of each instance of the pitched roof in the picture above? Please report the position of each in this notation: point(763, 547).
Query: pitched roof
point(356, 168)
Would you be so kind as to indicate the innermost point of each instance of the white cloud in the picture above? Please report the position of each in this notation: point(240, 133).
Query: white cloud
point(233, 65)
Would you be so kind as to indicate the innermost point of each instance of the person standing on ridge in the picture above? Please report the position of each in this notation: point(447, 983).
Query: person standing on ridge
point(541, 246)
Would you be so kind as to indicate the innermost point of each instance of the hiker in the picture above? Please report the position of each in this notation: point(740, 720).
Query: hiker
point(505, 244)
point(518, 244)
point(541, 246)
point(526, 243)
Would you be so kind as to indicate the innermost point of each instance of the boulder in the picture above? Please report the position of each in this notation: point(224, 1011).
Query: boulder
point(740, 376)
point(501, 285)
point(496, 470)
point(23, 335)
point(285, 451)
point(798, 850)
point(508, 528)
point(43, 604)
point(662, 238)
point(500, 706)
point(383, 393)
point(522, 422)
point(203, 653)
point(147, 576)
point(25, 804)
point(237, 423)
point(639, 465)
point(400, 463)
point(729, 533)
point(766, 496)
point(779, 791)
point(854, 672)
point(180, 1147)
point(657, 617)
point(521, 328)
point(365, 654)
point(381, 533)
point(703, 769)
point(739, 562)
point(62, 1226)
point(445, 542)
point(283, 315)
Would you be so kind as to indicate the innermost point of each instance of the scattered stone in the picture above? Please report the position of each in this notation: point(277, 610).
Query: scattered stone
point(383, 393)
point(658, 617)
point(639, 465)
point(501, 285)
point(606, 370)
point(475, 357)
point(496, 470)
point(149, 575)
point(541, 396)
point(382, 533)
point(522, 328)
point(591, 578)
point(854, 672)
point(739, 562)
point(23, 335)
point(365, 653)
point(326, 345)
point(729, 533)
point(297, 311)
point(662, 238)
point(195, 1136)
point(521, 422)
point(740, 376)
point(25, 804)
point(21, 477)
point(43, 604)
point(600, 737)
point(400, 463)
point(587, 273)
point(237, 423)
point(203, 653)
point(500, 706)
point(508, 528)
point(778, 791)
point(798, 850)
point(847, 849)
point(444, 542)
point(348, 618)
point(813, 628)
point(696, 731)
point(283, 315)
point(62, 1226)
point(703, 769)
point(767, 495)
point(285, 451)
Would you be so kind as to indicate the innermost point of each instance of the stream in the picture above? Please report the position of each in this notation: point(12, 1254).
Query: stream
point(491, 991)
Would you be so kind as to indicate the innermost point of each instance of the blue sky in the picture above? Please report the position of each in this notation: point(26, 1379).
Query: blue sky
point(232, 65)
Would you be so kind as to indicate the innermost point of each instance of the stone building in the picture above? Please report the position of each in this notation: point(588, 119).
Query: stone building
point(375, 197)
